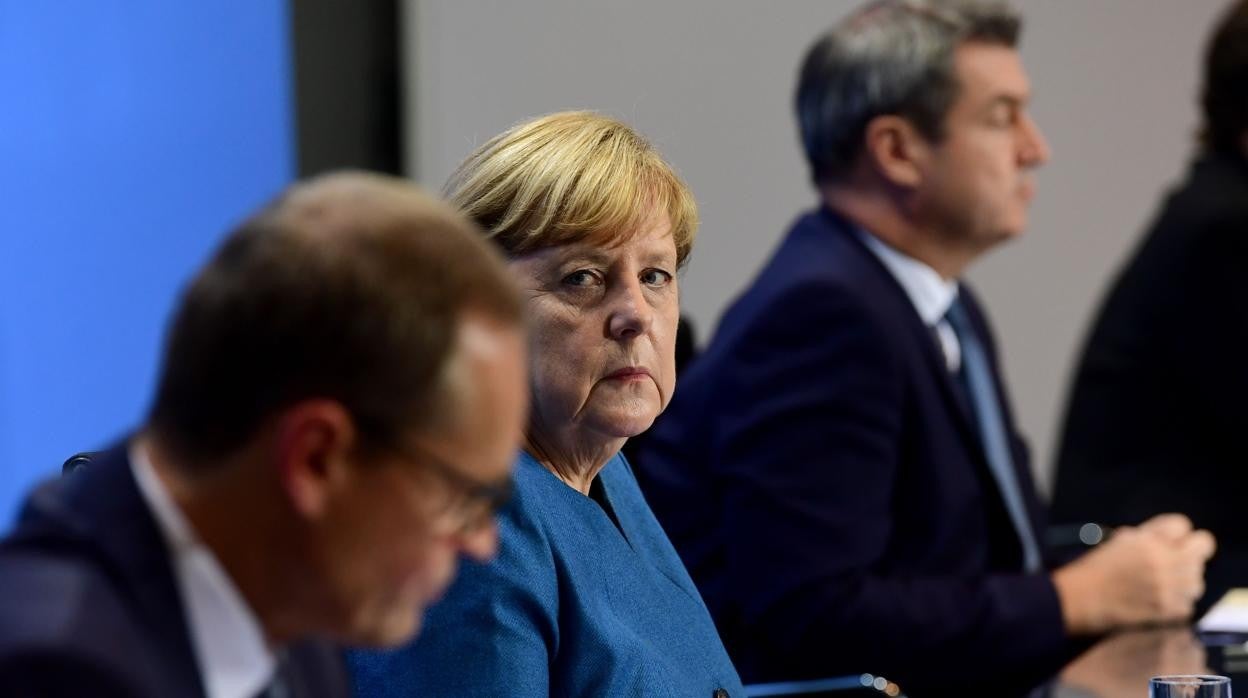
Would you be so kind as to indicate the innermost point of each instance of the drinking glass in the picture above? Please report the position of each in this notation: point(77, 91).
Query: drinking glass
point(1191, 686)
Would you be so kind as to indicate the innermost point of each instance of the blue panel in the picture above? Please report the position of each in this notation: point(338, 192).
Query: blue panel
point(132, 136)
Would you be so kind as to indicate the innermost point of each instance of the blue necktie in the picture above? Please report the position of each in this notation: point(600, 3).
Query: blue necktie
point(980, 385)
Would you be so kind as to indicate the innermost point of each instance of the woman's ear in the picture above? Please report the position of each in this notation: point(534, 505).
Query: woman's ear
point(313, 453)
point(896, 150)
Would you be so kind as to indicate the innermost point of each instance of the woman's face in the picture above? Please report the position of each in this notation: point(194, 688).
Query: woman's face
point(603, 332)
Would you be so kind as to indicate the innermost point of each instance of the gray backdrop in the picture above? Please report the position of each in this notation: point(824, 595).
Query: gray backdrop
point(710, 81)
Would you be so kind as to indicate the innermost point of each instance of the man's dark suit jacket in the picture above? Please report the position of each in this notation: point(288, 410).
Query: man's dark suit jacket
point(820, 474)
point(1159, 408)
point(89, 605)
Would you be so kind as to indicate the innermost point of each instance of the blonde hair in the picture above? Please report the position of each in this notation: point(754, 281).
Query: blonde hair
point(567, 177)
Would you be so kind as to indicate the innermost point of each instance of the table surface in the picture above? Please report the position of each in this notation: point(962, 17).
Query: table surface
point(1121, 665)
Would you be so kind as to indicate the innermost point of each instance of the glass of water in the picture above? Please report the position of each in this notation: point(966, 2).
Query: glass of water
point(1193, 686)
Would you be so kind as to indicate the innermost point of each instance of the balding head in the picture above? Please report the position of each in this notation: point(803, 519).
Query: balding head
point(348, 287)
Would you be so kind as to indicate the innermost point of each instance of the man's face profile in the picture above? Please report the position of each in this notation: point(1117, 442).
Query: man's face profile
point(977, 182)
point(391, 548)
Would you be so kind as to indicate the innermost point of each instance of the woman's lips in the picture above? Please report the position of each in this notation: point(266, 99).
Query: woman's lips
point(629, 373)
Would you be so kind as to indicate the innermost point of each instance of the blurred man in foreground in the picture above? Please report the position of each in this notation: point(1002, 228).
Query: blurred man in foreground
point(341, 397)
point(840, 470)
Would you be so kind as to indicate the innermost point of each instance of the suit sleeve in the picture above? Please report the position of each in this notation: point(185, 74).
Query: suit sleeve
point(494, 634)
point(808, 440)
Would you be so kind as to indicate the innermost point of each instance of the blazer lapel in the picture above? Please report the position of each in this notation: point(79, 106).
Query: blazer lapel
point(106, 498)
point(920, 336)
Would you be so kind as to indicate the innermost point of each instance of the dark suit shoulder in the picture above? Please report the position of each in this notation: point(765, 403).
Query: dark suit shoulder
point(50, 597)
point(1215, 188)
point(62, 622)
point(85, 577)
point(1199, 217)
point(822, 249)
point(820, 282)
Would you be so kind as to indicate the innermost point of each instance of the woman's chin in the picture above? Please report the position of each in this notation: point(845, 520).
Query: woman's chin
point(623, 423)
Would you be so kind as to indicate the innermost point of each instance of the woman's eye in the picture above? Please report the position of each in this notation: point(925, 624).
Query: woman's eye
point(656, 277)
point(580, 278)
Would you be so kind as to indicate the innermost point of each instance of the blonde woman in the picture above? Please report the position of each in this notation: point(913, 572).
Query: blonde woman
point(587, 595)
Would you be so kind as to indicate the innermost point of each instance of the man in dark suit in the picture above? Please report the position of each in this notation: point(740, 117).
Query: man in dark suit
point(1157, 412)
point(840, 469)
point(340, 400)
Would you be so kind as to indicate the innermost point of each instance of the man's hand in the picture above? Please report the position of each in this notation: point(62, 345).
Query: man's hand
point(1146, 574)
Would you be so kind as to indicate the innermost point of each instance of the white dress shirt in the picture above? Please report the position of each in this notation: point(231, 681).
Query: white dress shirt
point(234, 659)
point(930, 294)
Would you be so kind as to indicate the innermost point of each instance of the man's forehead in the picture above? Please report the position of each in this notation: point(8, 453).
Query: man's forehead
point(488, 379)
point(488, 359)
point(989, 72)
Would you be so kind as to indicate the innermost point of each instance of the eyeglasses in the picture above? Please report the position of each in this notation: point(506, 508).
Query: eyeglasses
point(481, 501)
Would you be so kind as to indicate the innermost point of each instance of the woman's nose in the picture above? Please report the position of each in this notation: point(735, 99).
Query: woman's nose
point(631, 314)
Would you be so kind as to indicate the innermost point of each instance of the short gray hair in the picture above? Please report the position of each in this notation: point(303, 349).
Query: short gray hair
point(888, 57)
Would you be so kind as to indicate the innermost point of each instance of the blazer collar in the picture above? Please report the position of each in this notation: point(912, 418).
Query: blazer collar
point(100, 510)
point(919, 331)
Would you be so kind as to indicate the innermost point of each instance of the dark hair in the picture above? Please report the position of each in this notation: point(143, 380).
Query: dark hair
point(348, 287)
point(1225, 97)
point(888, 57)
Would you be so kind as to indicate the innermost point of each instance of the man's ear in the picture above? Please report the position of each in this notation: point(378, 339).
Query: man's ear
point(313, 449)
point(896, 150)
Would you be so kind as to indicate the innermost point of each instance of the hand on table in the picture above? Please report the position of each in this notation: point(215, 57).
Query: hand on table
point(1149, 573)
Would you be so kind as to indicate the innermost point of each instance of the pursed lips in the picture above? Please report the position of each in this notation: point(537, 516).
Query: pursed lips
point(629, 373)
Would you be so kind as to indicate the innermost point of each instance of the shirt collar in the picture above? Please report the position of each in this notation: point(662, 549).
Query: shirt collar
point(930, 294)
point(234, 659)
